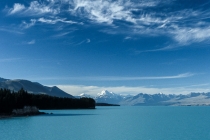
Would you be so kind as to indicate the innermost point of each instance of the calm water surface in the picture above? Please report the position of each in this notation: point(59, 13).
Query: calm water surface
point(113, 123)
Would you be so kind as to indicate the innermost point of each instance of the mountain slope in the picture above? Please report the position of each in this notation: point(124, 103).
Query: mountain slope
point(192, 99)
point(147, 99)
point(33, 87)
point(2, 79)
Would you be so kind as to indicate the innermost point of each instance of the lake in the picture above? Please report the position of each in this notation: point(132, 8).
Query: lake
point(112, 123)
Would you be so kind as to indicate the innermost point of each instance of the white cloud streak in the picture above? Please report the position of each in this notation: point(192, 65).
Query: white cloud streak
point(10, 60)
point(61, 34)
point(114, 78)
point(31, 42)
point(109, 78)
point(5, 29)
point(86, 41)
point(26, 25)
point(56, 20)
point(170, 47)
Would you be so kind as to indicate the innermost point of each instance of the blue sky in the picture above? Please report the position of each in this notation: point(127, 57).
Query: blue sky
point(123, 46)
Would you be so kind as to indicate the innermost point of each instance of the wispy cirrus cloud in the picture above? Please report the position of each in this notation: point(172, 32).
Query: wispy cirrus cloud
point(151, 18)
point(56, 20)
point(16, 8)
point(187, 36)
point(109, 11)
point(83, 41)
point(10, 30)
point(167, 48)
point(183, 25)
point(35, 8)
point(26, 25)
point(110, 78)
point(102, 11)
point(61, 34)
point(10, 60)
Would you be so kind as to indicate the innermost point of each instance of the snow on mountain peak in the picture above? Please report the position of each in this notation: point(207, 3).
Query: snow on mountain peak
point(107, 94)
point(85, 95)
point(82, 94)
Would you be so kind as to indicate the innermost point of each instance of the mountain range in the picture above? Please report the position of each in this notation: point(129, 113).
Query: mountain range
point(141, 99)
point(32, 87)
point(160, 99)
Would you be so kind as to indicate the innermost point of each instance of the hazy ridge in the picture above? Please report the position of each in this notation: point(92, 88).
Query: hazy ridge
point(32, 87)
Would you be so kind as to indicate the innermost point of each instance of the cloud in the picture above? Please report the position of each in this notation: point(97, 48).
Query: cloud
point(167, 48)
point(31, 42)
point(56, 20)
point(9, 30)
point(26, 25)
point(183, 25)
point(61, 34)
point(88, 40)
point(102, 11)
point(83, 41)
point(127, 38)
point(10, 59)
point(114, 78)
point(41, 8)
point(147, 22)
point(108, 11)
point(93, 90)
point(109, 78)
point(186, 36)
point(35, 8)
point(16, 8)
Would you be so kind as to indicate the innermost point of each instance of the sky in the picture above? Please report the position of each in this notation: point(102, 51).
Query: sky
point(124, 46)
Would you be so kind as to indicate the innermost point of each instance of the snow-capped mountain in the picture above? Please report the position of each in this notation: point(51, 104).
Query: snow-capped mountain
point(83, 95)
point(139, 99)
point(104, 97)
point(108, 97)
point(107, 94)
point(32, 87)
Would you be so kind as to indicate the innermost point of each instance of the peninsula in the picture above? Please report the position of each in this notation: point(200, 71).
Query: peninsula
point(23, 103)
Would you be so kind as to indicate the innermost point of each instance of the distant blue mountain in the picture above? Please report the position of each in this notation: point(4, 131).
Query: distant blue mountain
point(32, 87)
point(2, 79)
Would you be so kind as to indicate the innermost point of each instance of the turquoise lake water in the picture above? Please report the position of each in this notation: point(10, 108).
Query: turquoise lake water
point(112, 123)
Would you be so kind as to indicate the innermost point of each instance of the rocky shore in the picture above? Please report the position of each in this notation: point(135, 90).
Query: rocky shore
point(26, 111)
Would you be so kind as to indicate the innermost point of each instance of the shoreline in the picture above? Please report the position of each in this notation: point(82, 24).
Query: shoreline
point(3, 116)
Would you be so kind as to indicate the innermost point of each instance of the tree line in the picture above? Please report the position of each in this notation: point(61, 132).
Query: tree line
point(10, 100)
